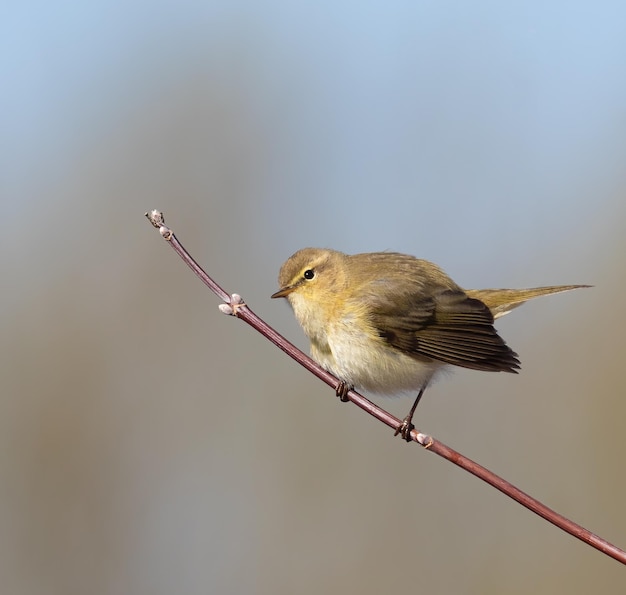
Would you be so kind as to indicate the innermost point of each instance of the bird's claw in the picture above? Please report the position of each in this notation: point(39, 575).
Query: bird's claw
point(405, 429)
point(342, 391)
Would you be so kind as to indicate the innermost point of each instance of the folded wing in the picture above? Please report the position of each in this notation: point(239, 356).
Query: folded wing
point(449, 327)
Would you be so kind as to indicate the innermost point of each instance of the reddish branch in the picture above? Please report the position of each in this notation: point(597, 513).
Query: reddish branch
point(235, 306)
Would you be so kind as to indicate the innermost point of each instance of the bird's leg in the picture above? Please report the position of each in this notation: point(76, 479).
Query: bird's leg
point(342, 391)
point(407, 423)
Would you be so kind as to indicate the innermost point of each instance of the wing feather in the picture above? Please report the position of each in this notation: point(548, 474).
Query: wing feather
point(450, 327)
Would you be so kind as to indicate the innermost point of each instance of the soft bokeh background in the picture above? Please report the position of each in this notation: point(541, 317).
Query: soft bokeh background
point(149, 444)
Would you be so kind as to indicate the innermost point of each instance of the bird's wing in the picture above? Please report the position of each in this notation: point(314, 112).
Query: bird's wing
point(449, 327)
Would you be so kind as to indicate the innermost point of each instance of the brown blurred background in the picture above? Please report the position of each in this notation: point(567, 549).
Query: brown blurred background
point(149, 444)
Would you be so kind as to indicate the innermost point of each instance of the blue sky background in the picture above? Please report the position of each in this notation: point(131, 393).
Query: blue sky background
point(439, 107)
point(487, 136)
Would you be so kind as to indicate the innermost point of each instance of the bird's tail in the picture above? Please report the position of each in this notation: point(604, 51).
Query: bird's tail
point(502, 301)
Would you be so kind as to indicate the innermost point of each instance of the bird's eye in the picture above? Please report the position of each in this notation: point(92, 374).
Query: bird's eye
point(309, 274)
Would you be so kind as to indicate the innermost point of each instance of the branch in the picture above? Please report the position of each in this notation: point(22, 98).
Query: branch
point(235, 306)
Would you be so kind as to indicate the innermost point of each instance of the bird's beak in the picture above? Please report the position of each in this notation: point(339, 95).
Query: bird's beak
point(283, 292)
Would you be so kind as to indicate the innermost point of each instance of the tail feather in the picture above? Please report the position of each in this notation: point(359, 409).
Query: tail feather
point(502, 301)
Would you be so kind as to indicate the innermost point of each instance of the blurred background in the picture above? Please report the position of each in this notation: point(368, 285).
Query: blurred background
point(149, 444)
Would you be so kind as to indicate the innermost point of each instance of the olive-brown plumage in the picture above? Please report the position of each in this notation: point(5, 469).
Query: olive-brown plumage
point(388, 322)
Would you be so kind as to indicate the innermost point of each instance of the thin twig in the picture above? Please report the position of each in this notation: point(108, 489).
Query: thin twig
point(235, 306)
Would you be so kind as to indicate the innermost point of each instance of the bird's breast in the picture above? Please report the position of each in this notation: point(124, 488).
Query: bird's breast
point(360, 357)
point(348, 346)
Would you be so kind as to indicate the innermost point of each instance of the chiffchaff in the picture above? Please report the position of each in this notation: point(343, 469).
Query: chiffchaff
point(388, 322)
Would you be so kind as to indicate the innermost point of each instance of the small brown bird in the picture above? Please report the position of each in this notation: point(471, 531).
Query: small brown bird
point(388, 322)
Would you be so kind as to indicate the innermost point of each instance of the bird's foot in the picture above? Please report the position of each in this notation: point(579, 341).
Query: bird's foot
point(405, 429)
point(342, 391)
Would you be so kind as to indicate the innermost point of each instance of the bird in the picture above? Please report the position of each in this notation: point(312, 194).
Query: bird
point(389, 323)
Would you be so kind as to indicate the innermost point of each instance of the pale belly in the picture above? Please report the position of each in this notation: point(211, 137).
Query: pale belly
point(357, 360)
